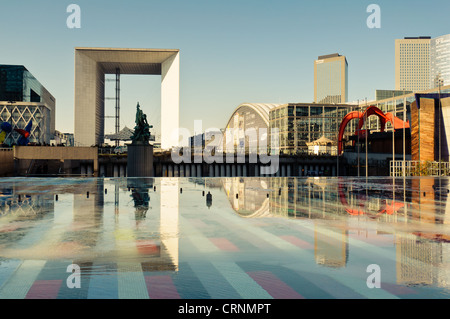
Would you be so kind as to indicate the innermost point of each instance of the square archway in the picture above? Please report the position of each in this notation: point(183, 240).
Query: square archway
point(91, 65)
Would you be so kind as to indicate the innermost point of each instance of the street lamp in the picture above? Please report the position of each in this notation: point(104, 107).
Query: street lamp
point(366, 133)
point(404, 137)
point(439, 110)
point(358, 138)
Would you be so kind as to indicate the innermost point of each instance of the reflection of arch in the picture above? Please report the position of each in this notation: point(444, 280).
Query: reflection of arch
point(348, 209)
point(371, 110)
point(386, 209)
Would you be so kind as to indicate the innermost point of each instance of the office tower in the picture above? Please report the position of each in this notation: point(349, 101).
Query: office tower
point(331, 79)
point(440, 61)
point(412, 63)
point(387, 94)
point(23, 99)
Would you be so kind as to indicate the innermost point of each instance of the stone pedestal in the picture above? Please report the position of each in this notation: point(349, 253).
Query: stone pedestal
point(140, 160)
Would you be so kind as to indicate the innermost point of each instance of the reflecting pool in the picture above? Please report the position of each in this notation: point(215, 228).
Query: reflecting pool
point(224, 238)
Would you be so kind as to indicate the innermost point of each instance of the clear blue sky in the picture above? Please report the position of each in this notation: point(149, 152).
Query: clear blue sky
point(231, 51)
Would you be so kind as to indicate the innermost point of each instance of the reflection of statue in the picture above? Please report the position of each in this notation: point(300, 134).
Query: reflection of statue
point(141, 202)
point(209, 200)
point(142, 129)
point(139, 192)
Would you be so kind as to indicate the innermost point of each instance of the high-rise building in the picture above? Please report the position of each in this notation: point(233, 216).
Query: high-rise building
point(24, 99)
point(331, 79)
point(412, 63)
point(387, 94)
point(440, 61)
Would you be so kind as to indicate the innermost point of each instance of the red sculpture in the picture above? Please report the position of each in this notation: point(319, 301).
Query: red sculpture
point(371, 110)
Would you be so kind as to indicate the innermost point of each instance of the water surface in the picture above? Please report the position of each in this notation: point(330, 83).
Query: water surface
point(224, 238)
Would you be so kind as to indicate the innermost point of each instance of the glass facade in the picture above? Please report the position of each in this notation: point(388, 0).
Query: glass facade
point(440, 61)
point(17, 84)
point(299, 124)
point(23, 98)
point(331, 84)
point(387, 94)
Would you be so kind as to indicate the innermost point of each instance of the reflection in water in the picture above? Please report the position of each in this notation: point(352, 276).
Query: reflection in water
point(169, 215)
point(338, 208)
point(209, 200)
point(19, 210)
point(148, 229)
point(140, 193)
point(331, 251)
point(88, 235)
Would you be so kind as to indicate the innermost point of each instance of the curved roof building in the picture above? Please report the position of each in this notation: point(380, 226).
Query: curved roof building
point(260, 110)
point(245, 117)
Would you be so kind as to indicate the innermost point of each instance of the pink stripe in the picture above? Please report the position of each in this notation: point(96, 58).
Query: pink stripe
point(297, 242)
point(198, 223)
point(161, 287)
point(224, 244)
point(44, 289)
point(397, 289)
point(148, 247)
point(274, 286)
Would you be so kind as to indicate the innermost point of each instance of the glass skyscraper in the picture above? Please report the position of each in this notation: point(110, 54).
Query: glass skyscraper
point(440, 61)
point(331, 79)
point(23, 98)
point(17, 84)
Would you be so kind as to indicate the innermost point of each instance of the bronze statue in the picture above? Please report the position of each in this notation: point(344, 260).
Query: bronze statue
point(142, 129)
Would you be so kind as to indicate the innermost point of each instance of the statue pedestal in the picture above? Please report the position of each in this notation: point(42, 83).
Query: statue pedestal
point(140, 160)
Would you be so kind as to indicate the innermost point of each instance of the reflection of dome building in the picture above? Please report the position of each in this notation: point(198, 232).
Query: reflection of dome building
point(252, 200)
point(294, 198)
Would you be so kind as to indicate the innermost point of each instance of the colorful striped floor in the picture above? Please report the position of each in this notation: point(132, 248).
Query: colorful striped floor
point(180, 248)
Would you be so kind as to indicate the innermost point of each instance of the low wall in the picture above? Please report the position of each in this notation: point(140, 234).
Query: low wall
point(24, 154)
point(6, 162)
point(55, 152)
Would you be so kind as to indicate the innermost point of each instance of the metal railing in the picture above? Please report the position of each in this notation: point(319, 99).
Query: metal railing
point(419, 168)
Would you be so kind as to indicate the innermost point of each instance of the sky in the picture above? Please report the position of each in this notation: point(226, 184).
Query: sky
point(231, 52)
